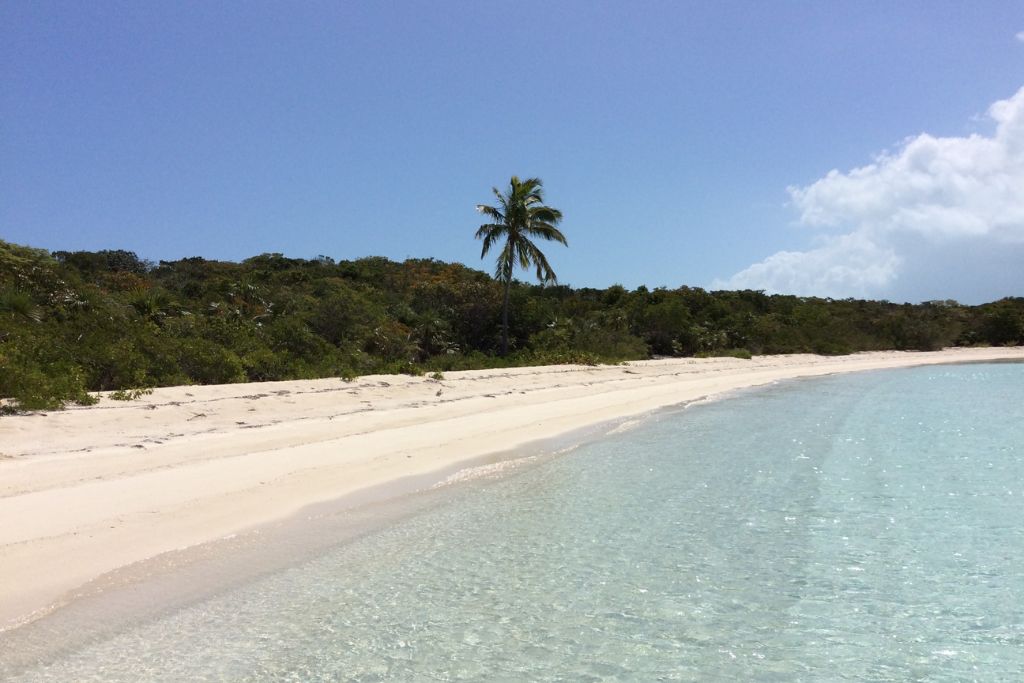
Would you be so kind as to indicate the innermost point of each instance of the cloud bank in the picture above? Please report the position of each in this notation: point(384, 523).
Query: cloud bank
point(934, 200)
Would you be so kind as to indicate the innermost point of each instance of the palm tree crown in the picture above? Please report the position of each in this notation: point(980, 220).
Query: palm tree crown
point(520, 215)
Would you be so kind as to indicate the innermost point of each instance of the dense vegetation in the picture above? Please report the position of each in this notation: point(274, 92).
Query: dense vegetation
point(76, 322)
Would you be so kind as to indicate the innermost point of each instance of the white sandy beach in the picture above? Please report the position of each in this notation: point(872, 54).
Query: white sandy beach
point(88, 490)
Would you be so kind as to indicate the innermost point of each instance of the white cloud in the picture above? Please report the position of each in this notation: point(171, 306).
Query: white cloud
point(932, 193)
point(1020, 36)
point(848, 265)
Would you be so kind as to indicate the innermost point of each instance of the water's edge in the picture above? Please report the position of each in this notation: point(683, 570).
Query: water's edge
point(150, 589)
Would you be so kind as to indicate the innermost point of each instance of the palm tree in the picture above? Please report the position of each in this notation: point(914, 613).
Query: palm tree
point(520, 215)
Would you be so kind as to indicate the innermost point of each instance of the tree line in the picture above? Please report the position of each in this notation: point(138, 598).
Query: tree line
point(79, 322)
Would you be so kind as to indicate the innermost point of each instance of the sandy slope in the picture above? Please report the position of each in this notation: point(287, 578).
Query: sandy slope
point(88, 490)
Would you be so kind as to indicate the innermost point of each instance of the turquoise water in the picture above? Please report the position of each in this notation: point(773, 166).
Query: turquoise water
point(858, 527)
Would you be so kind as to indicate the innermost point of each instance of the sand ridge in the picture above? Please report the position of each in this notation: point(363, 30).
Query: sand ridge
point(90, 489)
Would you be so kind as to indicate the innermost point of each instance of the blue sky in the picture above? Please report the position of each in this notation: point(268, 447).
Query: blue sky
point(685, 142)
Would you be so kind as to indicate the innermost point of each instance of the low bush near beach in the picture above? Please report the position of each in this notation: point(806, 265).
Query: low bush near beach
point(128, 394)
point(31, 381)
point(726, 353)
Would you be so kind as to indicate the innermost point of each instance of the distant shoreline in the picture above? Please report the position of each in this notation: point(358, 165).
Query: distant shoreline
point(90, 490)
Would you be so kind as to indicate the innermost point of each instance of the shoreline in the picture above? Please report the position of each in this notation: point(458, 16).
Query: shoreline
point(158, 586)
point(94, 490)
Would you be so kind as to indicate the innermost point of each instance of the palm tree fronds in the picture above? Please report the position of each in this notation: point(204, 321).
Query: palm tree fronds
point(488, 233)
point(522, 215)
point(548, 232)
point(544, 271)
point(491, 212)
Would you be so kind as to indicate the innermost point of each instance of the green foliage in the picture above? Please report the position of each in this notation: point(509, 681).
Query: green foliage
point(33, 377)
point(93, 263)
point(591, 339)
point(107, 321)
point(129, 394)
point(559, 357)
point(1003, 323)
point(399, 367)
point(206, 362)
point(18, 304)
point(726, 353)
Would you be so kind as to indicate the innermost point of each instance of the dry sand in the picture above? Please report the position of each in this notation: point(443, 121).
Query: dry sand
point(88, 490)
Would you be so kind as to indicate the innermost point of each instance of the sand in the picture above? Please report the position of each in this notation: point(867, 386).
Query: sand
point(89, 490)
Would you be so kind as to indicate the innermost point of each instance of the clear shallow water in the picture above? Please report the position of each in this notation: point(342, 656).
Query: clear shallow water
point(860, 527)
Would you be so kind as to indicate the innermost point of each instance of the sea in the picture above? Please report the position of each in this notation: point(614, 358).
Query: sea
point(860, 527)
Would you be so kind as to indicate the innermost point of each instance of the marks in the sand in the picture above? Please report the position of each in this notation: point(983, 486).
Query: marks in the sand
point(420, 404)
point(348, 413)
point(152, 440)
point(195, 416)
point(502, 393)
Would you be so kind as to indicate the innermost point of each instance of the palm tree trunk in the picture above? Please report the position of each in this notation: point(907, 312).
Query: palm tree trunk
point(504, 317)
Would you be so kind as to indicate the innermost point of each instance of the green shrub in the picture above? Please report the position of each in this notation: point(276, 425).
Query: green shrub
point(205, 362)
point(474, 360)
point(32, 382)
point(725, 353)
point(831, 348)
point(557, 357)
point(128, 394)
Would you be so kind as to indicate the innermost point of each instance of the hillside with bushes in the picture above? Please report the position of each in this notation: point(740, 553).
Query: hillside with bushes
point(79, 322)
